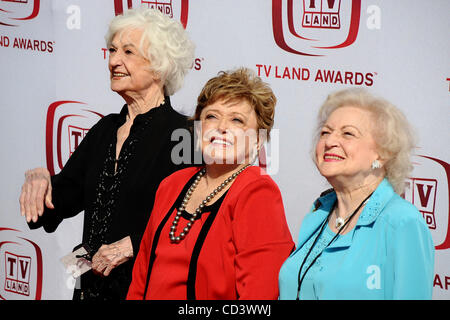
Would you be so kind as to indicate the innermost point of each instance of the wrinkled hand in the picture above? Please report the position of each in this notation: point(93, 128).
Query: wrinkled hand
point(112, 255)
point(36, 191)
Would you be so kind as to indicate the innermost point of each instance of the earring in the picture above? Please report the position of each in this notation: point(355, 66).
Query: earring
point(376, 164)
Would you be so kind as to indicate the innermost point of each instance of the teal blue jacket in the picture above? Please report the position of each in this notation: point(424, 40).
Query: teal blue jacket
point(388, 255)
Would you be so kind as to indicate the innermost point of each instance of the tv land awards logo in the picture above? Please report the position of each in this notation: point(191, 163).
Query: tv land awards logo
point(317, 28)
point(177, 9)
point(422, 193)
point(13, 12)
point(321, 14)
point(20, 266)
point(429, 190)
point(313, 27)
point(17, 278)
point(67, 124)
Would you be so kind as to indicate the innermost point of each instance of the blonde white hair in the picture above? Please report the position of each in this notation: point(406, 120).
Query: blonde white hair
point(391, 130)
point(169, 49)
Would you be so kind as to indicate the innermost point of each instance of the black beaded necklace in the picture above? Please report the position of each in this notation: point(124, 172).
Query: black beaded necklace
point(300, 278)
point(172, 235)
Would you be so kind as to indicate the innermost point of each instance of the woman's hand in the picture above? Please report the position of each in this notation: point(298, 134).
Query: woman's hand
point(36, 191)
point(112, 255)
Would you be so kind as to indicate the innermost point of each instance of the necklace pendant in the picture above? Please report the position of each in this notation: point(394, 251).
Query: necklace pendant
point(339, 222)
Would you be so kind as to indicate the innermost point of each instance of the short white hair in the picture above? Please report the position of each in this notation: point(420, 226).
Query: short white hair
point(394, 136)
point(170, 51)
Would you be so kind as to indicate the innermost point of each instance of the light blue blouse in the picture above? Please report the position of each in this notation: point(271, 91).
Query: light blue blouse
point(388, 255)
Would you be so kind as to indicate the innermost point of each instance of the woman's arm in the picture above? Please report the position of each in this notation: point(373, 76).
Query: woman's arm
point(262, 239)
point(51, 199)
point(413, 254)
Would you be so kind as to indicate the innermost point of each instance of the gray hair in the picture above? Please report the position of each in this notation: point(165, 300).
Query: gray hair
point(392, 132)
point(170, 51)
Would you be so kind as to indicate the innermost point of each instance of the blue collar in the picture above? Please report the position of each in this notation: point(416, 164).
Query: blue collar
point(383, 193)
point(381, 196)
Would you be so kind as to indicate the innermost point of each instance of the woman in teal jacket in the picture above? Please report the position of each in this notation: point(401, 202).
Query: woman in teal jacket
point(361, 240)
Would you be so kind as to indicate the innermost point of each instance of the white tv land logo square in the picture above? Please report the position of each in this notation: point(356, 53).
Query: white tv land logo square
point(176, 9)
point(321, 14)
point(422, 193)
point(17, 277)
point(315, 27)
point(165, 6)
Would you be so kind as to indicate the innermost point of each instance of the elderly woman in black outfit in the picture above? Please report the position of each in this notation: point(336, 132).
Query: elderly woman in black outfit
point(114, 173)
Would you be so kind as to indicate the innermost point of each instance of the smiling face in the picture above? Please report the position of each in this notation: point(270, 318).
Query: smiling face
point(346, 148)
point(229, 132)
point(130, 72)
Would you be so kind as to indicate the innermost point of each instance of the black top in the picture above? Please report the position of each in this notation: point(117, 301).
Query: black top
point(213, 209)
point(116, 204)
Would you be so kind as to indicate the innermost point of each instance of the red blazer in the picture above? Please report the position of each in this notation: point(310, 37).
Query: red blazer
point(240, 255)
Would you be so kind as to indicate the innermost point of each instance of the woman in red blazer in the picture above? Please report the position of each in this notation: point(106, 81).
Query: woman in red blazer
point(218, 231)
